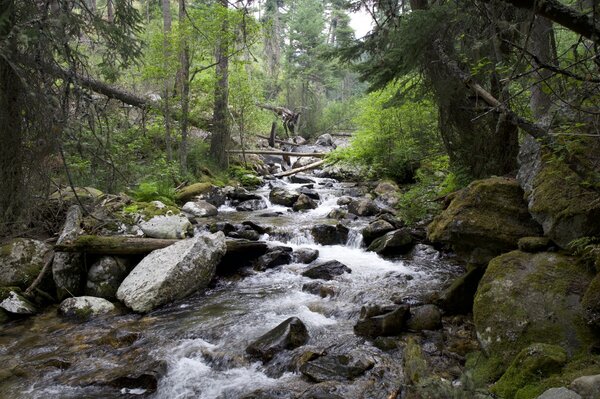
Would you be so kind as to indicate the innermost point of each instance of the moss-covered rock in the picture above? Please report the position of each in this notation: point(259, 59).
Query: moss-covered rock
point(21, 260)
point(559, 198)
point(146, 211)
point(85, 194)
point(532, 363)
point(526, 298)
point(189, 192)
point(483, 220)
point(534, 244)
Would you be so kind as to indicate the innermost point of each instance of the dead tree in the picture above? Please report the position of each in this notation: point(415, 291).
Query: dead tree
point(288, 117)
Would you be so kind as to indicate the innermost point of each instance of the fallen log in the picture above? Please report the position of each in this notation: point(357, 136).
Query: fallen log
point(301, 169)
point(284, 153)
point(120, 245)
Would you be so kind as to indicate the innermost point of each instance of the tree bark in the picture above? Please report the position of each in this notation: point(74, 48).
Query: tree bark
point(184, 80)
point(221, 133)
point(110, 11)
point(301, 169)
point(167, 22)
point(541, 40)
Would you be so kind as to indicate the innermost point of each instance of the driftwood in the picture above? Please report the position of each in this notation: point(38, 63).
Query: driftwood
point(289, 118)
point(120, 245)
point(302, 169)
point(283, 153)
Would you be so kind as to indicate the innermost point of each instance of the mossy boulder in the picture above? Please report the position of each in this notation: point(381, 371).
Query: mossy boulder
point(526, 298)
point(483, 220)
point(146, 211)
point(534, 244)
point(559, 198)
point(189, 192)
point(84, 194)
point(21, 260)
point(591, 303)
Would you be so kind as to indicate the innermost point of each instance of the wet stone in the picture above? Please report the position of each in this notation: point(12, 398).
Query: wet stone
point(327, 270)
point(326, 234)
point(306, 255)
point(378, 321)
point(275, 257)
point(251, 205)
point(337, 367)
point(290, 334)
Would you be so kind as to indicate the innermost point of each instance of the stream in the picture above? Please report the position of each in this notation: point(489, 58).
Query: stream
point(199, 343)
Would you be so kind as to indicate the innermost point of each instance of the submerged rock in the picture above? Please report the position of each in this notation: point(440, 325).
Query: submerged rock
point(167, 226)
point(173, 272)
point(376, 321)
point(531, 298)
point(290, 334)
point(327, 270)
point(21, 260)
point(395, 242)
point(200, 209)
point(484, 220)
point(337, 367)
point(85, 307)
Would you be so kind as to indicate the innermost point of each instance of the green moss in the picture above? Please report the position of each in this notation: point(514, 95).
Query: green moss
point(484, 370)
point(189, 192)
point(5, 292)
point(147, 210)
point(415, 365)
point(531, 364)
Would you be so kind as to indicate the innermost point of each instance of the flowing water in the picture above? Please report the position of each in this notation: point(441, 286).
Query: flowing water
point(199, 343)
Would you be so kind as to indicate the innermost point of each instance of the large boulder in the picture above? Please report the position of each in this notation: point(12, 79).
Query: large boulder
point(325, 140)
point(376, 321)
point(484, 220)
point(588, 386)
point(338, 367)
point(282, 196)
point(200, 208)
point(375, 230)
point(173, 272)
point(327, 234)
point(304, 202)
point(16, 304)
point(558, 197)
point(21, 260)
point(306, 255)
point(187, 193)
point(526, 298)
point(327, 270)
point(387, 193)
point(395, 242)
point(68, 269)
point(106, 275)
point(85, 307)
point(251, 205)
point(167, 226)
point(363, 207)
point(277, 256)
point(290, 334)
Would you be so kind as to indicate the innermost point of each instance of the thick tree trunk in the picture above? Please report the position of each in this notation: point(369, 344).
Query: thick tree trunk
point(541, 40)
point(220, 133)
point(110, 11)
point(184, 80)
point(167, 22)
point(11, 132)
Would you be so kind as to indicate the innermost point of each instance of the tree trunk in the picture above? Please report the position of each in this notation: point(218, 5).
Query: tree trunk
point(184, 80)
point(541, 40)
point(167, 22)
point(110, 11)
point(11, 132)
point(220, 134)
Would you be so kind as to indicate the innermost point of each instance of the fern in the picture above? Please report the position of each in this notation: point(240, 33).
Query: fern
point(154, 191)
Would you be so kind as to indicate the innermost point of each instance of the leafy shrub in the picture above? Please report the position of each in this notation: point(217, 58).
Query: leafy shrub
point(154, 191)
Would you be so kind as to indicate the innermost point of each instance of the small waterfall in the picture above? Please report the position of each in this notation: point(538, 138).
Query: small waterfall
point(355, 239)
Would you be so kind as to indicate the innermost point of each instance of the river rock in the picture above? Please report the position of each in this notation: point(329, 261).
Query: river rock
point(252, 205)
point(309, 192)
point(245, 232)
point(17, 304)
point(326, 140)
point(290, 334)
point(376, 321)
point(327, 234)
point(85, 307)
point(306, 255)
point(337, 213)
point(277, 256)
point(484, 220)
point(426, 317)
point(225, 227)
point(363, 207)
point(588, 386)
point(375, 230)
point(241, 194)
point(68, 269)
point(319, 288)
point(200, 208)
point(388, 193)
point(517, 293)
point(282, 196)
point(337, 367)
point(327, 270)
point(558, 197)
point(106, 275)
point(560, 393)
point(187, 193)
point(21, 260)
point(395, 242)
point(534, 244)
point(535, 362)
point(301, 178)
point(173, 272)
point(167, 226)
point(240, 253)
point(304, 202)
